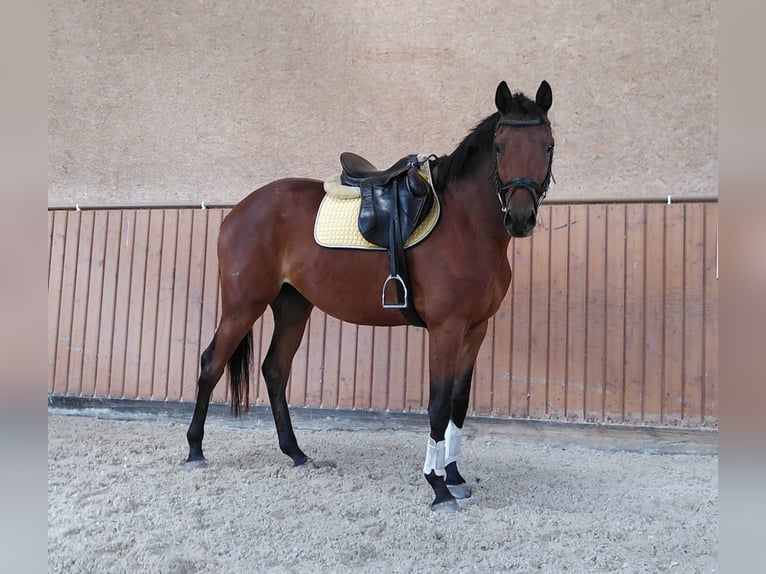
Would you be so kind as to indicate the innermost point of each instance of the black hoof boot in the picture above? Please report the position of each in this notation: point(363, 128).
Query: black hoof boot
point(444, 502)
point(456, 484)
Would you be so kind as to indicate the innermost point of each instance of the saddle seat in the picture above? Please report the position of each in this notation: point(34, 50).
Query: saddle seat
point(358, 171)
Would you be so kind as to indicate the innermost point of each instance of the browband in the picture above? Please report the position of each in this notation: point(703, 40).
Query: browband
point(523, 123)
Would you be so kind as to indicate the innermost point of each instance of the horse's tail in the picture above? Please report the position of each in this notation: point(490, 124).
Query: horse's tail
point(240, 364)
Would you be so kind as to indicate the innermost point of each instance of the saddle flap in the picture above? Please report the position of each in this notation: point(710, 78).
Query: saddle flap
point(406, 198)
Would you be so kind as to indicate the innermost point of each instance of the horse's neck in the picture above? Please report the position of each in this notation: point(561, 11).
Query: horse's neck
point(476, 197)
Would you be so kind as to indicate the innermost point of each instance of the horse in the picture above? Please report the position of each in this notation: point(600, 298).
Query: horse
point(490, 189)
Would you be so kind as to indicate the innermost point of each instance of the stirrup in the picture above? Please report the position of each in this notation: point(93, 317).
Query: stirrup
point(383, 296)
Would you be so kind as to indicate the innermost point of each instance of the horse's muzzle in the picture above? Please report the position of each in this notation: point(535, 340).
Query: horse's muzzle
point(520, 226)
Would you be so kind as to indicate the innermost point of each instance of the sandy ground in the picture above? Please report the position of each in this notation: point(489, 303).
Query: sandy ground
point(119, 500)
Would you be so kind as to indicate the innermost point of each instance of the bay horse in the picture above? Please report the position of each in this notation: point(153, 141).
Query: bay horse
point(490, 189)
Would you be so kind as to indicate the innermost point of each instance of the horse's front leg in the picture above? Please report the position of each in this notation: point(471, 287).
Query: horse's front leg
point(461, 394)
point(444, 347)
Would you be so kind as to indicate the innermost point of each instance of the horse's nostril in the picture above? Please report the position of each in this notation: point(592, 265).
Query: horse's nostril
point(532, 221)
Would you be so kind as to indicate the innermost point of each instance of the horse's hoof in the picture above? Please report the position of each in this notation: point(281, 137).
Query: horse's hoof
point(460, 491)
point(195, 464)
point(446, 507)
point(306, 463)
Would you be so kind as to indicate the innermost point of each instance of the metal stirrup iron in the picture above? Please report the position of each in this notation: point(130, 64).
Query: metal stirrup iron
point(397, 305)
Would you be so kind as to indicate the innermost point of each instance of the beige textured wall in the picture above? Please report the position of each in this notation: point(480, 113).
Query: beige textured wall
point(205, 101)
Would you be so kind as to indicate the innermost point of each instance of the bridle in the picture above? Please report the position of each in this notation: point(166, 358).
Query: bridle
point(536, 191)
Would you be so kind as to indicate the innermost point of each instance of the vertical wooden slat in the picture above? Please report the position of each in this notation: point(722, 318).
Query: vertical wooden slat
point(315, 369)
point(56, 269)
point(635, 292)
point(522, 270)
point(595, 344)
point(95, 303)
point(299, 375)
point(673, 314)
point(107, 327)
point(397, 363)
point(262, 331)
point(539, 312)
point(614, 360)
point(483, 384)
point(179, 308)
point(347, 367)
point(413, 398)
point(711, 316)
point(66, 316)
point(498, 346)
point(578, 311)
point(426, 380)
point(80, 308)
point(332, 337)
point(694, 325)
point(126, 235)
point(151, 320)
point(164, 323)
point(192, 341)
point(381, 350)
point(654, 336)
point(211, 307)
point(558, 328)
point(51, 225)
point(364, 353)
point(135, 383)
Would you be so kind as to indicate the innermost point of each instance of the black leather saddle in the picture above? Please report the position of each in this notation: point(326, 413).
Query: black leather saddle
point(394, 202)
point(397, 191)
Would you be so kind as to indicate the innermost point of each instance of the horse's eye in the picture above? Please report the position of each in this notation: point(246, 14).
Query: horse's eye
point(498, 149)
point(549, 149)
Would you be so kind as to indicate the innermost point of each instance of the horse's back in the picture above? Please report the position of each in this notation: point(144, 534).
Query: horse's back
point(272, 209)
point(271, 199)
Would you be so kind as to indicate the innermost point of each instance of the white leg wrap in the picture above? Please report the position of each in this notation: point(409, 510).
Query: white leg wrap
point(434, 458)
point(453, 437)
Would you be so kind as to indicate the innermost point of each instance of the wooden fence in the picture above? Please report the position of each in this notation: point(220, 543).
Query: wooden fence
point(612, 316)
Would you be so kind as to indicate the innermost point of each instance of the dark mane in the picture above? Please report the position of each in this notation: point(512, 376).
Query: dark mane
point(462, 162)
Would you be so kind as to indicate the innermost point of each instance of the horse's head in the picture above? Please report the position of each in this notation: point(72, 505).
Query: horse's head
point(523, 156)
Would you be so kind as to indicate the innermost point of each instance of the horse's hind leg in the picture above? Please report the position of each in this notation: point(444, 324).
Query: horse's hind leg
point(232, 336)
point(291, 312)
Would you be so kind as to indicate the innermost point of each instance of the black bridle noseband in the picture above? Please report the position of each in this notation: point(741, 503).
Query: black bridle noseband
point(536, 191)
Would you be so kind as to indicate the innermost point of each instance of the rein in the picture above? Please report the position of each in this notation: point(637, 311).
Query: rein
point(535, 190)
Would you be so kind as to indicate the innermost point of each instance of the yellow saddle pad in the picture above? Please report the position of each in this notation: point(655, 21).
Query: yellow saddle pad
point(336, 223)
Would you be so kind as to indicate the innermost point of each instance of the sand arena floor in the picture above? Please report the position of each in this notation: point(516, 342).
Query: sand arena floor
point(119, 500)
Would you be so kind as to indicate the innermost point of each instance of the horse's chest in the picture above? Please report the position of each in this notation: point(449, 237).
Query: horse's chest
point(494, 289)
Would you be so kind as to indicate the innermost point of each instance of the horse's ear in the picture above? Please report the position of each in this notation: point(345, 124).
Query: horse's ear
point(544, 97)
point(503, 97)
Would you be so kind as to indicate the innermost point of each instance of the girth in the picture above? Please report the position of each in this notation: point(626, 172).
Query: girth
point(394, 202)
